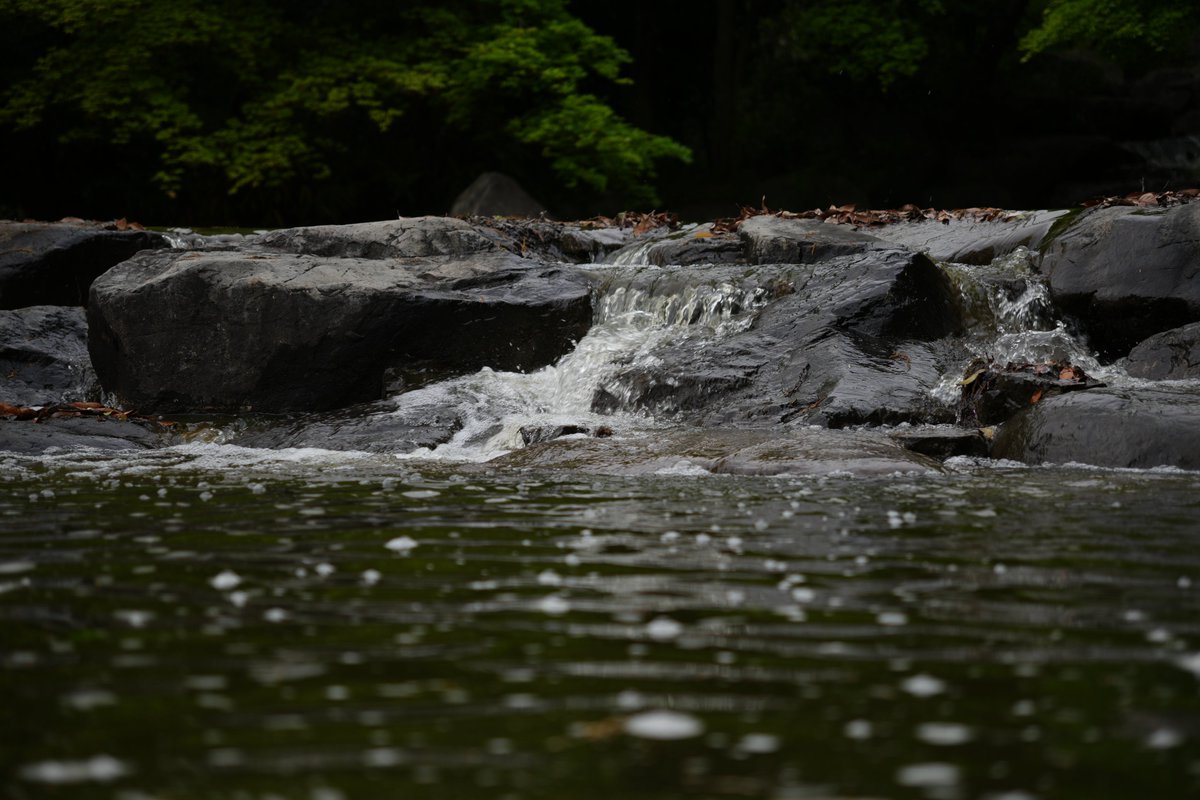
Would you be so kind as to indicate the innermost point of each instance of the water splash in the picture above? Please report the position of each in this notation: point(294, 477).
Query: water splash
point(636, 312)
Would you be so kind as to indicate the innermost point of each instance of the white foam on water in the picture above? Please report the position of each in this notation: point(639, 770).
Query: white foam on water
point(99, 768)
point(633, 318)
point(663, 725)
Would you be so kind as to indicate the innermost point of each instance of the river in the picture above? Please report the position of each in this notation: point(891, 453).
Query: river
point(213, 621)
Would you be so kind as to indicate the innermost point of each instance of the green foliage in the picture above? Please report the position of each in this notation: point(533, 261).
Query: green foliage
point(1130, 31)
point(863, 39)
point(270, 95)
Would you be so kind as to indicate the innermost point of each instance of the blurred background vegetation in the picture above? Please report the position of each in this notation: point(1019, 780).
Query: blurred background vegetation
point(249, 112)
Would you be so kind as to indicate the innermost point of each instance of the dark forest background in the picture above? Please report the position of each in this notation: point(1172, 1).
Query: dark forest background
point(255, 113)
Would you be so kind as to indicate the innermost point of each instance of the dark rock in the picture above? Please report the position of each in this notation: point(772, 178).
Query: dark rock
point(495, 194)
point(54, 263)
point(1171, 355)
point(967, 241)
point(771, 240)
point(841, 342)
point(268, 330)
point(1123, 428)
point(942, 441)
point(798, 452)
point(694, 246)
point(370, 427)
point(1127, 273)
point(532, 434)
point(549, 240)
point(74, 433)
point(44, 357)
point(991, 393)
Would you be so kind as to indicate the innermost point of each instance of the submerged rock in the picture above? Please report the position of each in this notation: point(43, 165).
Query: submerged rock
point(44, 357)
point(1127, 273)
point(803, 451)
point(312, 319)
point(1171, 355)
point(1124, 428)
point(54, 263)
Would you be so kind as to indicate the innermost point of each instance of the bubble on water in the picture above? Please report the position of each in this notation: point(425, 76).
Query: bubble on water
point(383, 757)
point(1164, 739)
point(761, 524)
point(630, 700)
point(930, 775)
point(663, 629)
point(549, 577)
point(802, 594)
point(133, 617)
point(894, 519)
point(421, 494)
point(206, 496)
point(87, 699)
point(101, 768)
point(703, 538)
point(239, 598)
point(275, 615)
point(664, 725)
point(858, 729)
point(1184, 582)
point(923, 685)
point(225, 580)
point(554, 605)
point(669, 536)
point(943, 733)
point(324, 569)
point(892, 618)
point(370, 577)
point(1191, 663)
point(255, 488)
point(14, 567)
point(401, 544)
point(326, 793)
point(759, 743)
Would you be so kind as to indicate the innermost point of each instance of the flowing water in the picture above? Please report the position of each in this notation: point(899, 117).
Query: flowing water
point(208, 621)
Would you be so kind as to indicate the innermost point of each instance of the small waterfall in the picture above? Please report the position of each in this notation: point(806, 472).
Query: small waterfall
point(636, 311)
point(1011, 317)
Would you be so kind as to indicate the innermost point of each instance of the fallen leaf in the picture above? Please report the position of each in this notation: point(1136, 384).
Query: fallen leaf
point(1036, 396)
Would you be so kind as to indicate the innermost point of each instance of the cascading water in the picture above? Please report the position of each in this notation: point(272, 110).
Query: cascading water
point(1011, 318)
point(636, 311)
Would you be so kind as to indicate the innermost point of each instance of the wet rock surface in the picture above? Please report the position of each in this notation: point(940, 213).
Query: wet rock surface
point(804, 451)
point(100, 433)
point(842, 342)
point(1171, 355)
point(1127, 273)
point(969, 241)
point(316, 326)
point(44, 357)
point(1125, 428)
point(992, 393)
point(54, 263)
point(943, 441)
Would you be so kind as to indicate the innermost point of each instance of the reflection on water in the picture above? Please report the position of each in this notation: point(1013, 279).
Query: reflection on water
point(215, 622)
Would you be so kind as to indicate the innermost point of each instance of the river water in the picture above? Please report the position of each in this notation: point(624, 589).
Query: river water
point(210, 621)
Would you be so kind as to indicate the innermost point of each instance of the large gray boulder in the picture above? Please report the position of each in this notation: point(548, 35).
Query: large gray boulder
point(1127, 273)
point(1127, 428)
point(44, 357)
point(1171, 355)
point(315, 318)
point(848, 340)
point(81, 433)
point(54, 263)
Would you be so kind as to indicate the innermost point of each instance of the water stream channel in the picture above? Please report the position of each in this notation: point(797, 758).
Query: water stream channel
point(213, 621)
